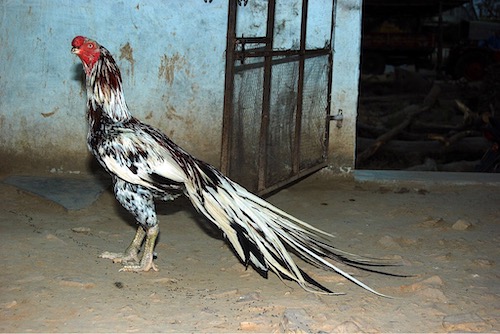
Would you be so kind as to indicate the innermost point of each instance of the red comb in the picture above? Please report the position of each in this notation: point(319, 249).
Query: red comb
point(78, 41)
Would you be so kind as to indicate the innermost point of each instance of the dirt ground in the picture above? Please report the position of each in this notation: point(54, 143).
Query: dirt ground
point(447, 237)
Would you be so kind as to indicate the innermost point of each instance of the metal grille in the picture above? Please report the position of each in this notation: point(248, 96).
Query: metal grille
point(280, 137)
point(276, 108)
point(315, 104)
point(246, 123)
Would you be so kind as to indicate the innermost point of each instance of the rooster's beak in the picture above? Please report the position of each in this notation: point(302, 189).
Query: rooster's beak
point(75, 50)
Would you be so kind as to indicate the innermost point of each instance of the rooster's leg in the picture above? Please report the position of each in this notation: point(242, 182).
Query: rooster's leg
point(146, 263)
point(139, 202)
point(130, 254)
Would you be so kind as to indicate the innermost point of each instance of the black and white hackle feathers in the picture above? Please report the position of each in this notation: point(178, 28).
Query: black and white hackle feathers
point(146, 165)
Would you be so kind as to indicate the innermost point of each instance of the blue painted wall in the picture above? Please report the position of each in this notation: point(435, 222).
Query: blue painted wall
point(171, 53)
point(172, 57)
point(345, 85)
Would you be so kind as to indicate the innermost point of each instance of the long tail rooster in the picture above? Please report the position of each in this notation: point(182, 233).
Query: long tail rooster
point(146, 165)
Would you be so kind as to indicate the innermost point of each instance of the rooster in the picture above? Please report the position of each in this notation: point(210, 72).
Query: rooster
point(146, 165)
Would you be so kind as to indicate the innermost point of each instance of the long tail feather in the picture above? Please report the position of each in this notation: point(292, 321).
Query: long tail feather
point(263, 235)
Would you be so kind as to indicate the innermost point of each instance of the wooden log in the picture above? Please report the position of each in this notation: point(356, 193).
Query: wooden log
point(425, 127)
point(389, 99)
point(449, 140)
point(411, 112)
point(459, 166)
point(471, 118)
point(368, 131)
point(456, 166)
point(473, 146)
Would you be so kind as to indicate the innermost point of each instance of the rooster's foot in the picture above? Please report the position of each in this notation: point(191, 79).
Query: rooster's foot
point(130, 258)
point(131, 253)
point(120, 257)
point(140, 267)
point(146, 263)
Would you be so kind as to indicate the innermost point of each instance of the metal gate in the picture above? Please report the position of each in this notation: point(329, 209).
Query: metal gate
point(276, 103)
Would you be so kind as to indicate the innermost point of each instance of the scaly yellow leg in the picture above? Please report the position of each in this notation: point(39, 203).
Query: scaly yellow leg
point(132, 251)
point(146, 263)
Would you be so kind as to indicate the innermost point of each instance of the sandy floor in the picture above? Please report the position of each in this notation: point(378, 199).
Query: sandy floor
point(447, 237)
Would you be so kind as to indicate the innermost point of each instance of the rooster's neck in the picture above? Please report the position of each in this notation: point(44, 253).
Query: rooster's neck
point(104, 89)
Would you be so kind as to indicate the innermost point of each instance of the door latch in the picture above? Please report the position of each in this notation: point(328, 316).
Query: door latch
point(339, 117)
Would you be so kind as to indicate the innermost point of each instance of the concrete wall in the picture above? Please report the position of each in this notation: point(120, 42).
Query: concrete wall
point(172, 57)
point(345, 90)
point(171, 53)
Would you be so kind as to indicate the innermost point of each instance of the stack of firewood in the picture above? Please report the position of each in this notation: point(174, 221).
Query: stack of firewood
point(412, 138)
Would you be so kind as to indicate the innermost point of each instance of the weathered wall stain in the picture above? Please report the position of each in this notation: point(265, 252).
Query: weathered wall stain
point(127, 53)
point(172, 114)
point(169, 65)
point(52, 113)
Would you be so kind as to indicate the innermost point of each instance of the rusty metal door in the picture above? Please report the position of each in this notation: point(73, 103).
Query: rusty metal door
point(276, 101)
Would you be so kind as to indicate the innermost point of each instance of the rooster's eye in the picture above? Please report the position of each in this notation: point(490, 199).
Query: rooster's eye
point(90, 46)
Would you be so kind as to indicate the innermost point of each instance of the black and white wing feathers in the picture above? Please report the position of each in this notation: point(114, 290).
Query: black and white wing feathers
point(140, 154)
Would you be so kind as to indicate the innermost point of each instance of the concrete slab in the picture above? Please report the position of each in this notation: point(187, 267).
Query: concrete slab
point(72, 192)
point(450, 178)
